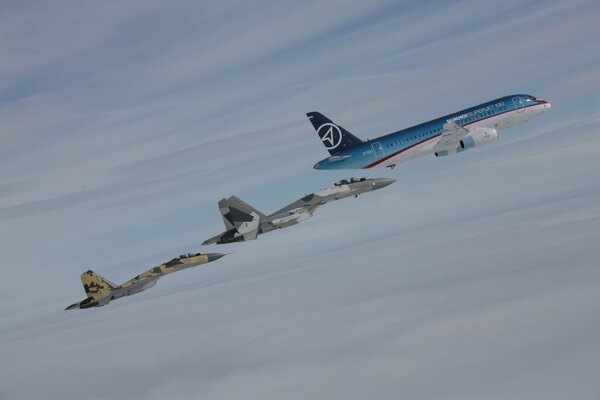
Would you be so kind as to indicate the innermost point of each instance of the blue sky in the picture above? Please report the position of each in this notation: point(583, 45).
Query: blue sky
point(123, 123)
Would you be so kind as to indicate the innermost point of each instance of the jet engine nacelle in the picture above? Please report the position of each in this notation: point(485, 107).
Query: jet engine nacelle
point(479, 137)
point(450, 151)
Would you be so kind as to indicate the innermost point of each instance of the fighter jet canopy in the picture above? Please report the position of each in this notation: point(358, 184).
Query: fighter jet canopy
point(349, 180)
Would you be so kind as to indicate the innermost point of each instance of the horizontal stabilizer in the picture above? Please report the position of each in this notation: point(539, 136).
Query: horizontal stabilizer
point(337, 158)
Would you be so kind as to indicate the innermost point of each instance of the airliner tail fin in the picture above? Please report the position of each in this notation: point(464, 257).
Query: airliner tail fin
point(334, 137)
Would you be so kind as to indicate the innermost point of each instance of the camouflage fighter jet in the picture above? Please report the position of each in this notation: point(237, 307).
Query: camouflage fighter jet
point(243, 222)
point(101, 291)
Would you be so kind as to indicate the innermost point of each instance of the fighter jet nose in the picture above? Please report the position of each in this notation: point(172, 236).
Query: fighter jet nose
point(317, 166)
point(214, 256)
point(383, 182)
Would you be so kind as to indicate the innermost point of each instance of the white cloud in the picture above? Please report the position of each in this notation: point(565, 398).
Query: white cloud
point(471, 277)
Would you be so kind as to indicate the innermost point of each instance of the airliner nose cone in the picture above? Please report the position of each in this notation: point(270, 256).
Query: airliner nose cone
point(545, 104)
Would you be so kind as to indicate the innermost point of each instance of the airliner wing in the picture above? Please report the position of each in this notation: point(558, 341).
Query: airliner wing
point(452, 134)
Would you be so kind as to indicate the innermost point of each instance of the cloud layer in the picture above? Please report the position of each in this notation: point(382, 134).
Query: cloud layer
point(473, 277)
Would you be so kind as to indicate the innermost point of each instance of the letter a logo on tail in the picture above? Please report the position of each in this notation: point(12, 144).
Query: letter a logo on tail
point(334, 137)
point(330, 135)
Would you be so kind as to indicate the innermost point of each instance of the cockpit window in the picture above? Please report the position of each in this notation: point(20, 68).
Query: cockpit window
point(531, 98)
point(349, 180)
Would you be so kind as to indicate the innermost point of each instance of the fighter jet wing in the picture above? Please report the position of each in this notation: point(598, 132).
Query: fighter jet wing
point(143, 281)
point(291, 210)
point(310, 202)
point(452, 134)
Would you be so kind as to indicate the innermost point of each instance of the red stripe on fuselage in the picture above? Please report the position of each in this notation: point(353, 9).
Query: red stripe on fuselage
point(399, 151)
point(423, 141)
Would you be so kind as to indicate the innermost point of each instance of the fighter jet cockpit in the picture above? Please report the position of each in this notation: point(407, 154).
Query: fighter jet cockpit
point(348, 181)
point(189, 255)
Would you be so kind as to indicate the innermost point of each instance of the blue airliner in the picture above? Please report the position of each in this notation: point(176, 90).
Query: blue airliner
point(444, 136)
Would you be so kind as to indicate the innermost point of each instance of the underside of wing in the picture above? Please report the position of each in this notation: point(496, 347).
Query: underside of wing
point(140, 283)
point(288, 211)
point(310, 202)
point(451, 136)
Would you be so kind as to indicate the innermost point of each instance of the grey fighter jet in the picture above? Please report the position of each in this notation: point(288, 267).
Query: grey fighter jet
point(243, 222)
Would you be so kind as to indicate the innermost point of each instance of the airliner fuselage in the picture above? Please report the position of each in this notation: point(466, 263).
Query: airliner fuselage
point(443, 136)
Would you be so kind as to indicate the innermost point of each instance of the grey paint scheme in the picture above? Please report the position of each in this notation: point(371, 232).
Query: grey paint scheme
point(243, 222)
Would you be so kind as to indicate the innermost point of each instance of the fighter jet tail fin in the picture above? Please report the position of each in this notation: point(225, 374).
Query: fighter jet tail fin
point(236, 213)
point(249, 230)
point(335, 138)
point(96, 286)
